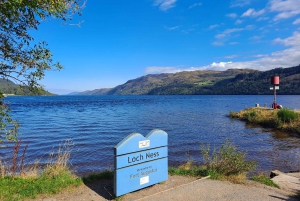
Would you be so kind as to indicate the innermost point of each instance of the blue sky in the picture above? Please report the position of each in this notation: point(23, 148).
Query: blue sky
point(123, 40)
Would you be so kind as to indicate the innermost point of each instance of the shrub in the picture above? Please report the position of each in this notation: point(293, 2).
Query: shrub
point(226, 160)
point(287, 115)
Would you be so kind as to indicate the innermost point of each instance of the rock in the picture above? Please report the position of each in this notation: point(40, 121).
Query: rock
point(285, 181)
point(275, 173)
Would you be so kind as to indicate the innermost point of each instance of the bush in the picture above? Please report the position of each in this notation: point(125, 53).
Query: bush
point(226, 160)
point(287, 115)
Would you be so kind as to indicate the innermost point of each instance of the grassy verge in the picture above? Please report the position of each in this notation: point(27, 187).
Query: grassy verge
point(264, 179)
point(283, 119)
point(18, 182)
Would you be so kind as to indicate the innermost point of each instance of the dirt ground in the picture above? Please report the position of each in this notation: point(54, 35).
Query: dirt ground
point(175, 188)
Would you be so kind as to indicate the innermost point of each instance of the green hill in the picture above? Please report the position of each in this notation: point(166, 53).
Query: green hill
point(10, 88)
point(232, 81)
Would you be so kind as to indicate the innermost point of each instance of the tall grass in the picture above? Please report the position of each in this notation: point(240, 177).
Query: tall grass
point(287, 115)
point(283, 119)
point(225, 162)
point(18, 183)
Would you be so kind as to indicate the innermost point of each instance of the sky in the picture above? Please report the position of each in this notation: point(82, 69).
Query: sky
point(122, 40)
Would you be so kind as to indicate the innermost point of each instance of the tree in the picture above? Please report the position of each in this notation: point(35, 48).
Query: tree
point(21, 59)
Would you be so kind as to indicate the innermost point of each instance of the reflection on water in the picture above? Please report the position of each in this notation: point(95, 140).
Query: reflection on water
point(97, 123)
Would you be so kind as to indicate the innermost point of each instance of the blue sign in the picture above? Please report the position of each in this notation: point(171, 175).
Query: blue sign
point(141, 161)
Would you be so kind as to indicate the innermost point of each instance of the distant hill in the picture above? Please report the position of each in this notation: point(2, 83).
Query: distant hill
point(9, 87)
point(102, 91)
point(231, 81)
point(186, 82)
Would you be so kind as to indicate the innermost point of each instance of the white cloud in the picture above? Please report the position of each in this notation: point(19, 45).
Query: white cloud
point(286, 15)
point(285, 58)
point(231, 15)
point(234, 43)
point(256, 38)
point(217, 43)
point(238, 22)
point(231, 56)
point(165, 4)
point(262, 18)
point(194, 5)
point(250, 27)
point(227, 32)
point(213, 26)
point(172, 28)
point(290, 41)
point(157, 69)
point(297, 21)
point(260, 55)
point(286, 8)
point(252, 13)
point(240, 3)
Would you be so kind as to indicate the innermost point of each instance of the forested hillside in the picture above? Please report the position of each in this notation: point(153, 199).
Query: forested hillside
point(232, 81)
point(8, 87)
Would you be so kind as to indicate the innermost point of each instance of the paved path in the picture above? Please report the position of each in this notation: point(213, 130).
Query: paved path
point(220, 190)
point(178, 188)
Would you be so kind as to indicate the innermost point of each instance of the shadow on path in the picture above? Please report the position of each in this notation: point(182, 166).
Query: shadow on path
point(104, 188)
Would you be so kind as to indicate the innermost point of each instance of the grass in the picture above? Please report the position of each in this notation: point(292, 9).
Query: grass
point(262, 178)
point(223, 163)
point(18, 183)
point(283, 119)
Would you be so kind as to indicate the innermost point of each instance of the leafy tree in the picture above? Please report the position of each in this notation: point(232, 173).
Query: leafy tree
point(21, 59)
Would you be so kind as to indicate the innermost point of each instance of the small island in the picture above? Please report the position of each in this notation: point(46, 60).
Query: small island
point(282, 119)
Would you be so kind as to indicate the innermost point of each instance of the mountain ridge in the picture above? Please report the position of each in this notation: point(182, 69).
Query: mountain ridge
point(231, 81)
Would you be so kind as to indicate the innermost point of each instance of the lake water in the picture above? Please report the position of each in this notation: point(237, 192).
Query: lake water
point(96, 124)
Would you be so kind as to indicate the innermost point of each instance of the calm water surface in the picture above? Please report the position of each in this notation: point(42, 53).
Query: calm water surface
point(95, 124)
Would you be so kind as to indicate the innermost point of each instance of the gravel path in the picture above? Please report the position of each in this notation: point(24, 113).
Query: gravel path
point(177, 188)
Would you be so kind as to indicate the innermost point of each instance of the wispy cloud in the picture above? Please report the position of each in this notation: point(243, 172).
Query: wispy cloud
point(238, 22)
point(187, 31)
point(262, 18)
point(297, 21)
point(231, 56)
point(194, 5)
point(231, 15)
point(227, 32)
point(284, 58)
point(290, 41)
point(217, 43)
point(240, 3)
point(256, 39)
point(234, 43)
point(252, 13)
point(213, 26)
point(165, 4)
point(172, 28)
point(286, 8)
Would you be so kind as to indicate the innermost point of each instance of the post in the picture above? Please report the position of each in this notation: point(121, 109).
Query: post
point(274, 82)
point(274, 104)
